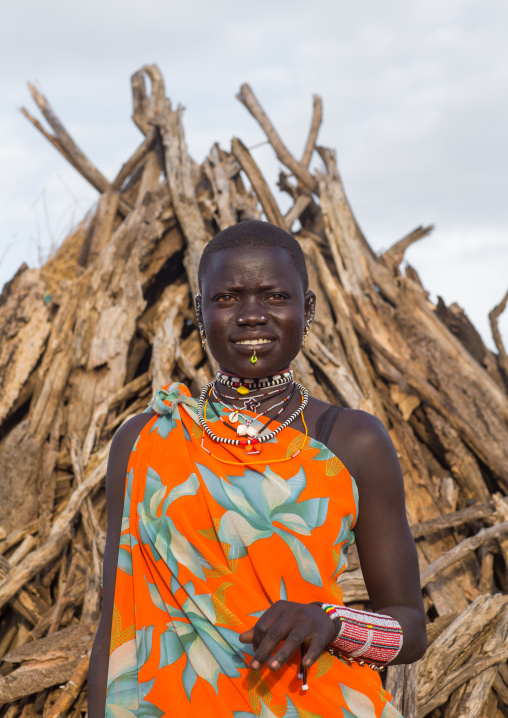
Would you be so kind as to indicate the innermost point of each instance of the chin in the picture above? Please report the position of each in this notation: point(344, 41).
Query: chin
point(268, 362)
point(253, 371)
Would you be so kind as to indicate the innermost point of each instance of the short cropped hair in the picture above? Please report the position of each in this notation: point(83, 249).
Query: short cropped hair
point(253, 233)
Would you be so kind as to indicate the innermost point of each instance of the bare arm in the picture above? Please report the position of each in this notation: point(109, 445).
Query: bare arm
point(385, 546)
point(119, 454)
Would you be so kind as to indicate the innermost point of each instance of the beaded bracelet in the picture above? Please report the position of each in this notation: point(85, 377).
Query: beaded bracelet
point(372, 638)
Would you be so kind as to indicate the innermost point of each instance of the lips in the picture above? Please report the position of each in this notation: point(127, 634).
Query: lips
point(253, 342)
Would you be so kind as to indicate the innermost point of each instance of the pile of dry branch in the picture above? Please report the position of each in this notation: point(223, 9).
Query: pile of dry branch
point(86, 339)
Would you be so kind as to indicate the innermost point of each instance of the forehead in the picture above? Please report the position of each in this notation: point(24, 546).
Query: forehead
point(251, 266)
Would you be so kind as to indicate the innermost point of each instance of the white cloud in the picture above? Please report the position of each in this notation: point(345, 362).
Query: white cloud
point(413, 96)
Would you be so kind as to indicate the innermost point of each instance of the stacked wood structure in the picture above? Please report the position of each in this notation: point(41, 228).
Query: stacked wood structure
point(86, 339)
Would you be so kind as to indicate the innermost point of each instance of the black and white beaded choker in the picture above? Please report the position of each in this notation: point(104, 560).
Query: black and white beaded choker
point(245, 386)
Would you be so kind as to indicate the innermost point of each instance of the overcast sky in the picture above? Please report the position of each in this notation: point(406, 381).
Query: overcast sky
point(415, 103)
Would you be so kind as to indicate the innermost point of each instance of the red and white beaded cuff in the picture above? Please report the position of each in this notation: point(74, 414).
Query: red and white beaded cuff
point(365, 636)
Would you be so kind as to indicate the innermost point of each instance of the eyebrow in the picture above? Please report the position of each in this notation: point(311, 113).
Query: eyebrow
point(235, 288)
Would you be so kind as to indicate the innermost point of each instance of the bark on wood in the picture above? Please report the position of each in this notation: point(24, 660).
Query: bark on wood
point(24, 328)
point(44, 663)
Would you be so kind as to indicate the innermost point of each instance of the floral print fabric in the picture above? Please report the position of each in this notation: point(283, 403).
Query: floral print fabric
point(206, 547)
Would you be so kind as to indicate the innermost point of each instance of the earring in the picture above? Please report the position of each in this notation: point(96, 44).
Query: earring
point(201, 327)
point(312, 310)
point(202, 335)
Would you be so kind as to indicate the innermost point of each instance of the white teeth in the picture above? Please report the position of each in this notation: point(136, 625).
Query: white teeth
point(255, 341)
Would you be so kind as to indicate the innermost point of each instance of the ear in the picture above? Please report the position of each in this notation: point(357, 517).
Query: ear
point(310, 307)
point(199, 311)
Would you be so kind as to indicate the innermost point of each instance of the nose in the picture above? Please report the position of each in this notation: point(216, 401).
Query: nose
point(250, 315)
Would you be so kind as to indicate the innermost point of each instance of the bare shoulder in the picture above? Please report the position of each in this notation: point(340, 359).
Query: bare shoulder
point(124, 439)
point(356, 424)
point(120, 451)
point(364, 445)
point(121, 448)
point(360, 427)
point(130, 430)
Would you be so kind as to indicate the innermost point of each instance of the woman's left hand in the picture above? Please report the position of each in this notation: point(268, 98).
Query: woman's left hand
point(293, 624)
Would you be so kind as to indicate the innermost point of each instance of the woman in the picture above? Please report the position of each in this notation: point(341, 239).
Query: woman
point(220, 592)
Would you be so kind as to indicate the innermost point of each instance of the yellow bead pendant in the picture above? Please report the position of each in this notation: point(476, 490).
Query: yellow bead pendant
point(242, 390)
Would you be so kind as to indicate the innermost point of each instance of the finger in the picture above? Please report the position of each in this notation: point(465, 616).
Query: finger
point(314, 651)
point(290, 645)
point(267, 620)
point(247, 637)
point(275, 634)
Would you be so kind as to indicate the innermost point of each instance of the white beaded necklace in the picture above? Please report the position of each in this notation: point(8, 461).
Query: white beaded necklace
point(206, 391)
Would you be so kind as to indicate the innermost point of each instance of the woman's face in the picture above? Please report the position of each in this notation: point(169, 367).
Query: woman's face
point(251, 295)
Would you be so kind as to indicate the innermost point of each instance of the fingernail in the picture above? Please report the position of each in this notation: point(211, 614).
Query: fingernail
point(306, 662)
point(274, 664)
point(255, 665)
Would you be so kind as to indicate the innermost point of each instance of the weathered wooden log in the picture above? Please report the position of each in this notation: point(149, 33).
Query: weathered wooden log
point(44, 663)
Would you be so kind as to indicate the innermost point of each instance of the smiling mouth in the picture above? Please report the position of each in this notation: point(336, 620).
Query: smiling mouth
point(254, 342)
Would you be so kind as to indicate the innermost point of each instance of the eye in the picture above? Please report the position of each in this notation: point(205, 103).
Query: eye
point(225, 298)
point(277, 296)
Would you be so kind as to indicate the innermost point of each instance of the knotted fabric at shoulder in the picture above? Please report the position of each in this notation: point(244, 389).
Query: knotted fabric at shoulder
point(167, 399)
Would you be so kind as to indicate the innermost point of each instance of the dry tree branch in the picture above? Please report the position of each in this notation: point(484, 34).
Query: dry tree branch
point(71, 689)
point(27, 601)
point(138, 156)
point(300, 205)
point(59, 537)
point(261, 188)
point(317, 118)
point(247, 98)
point(32, 564)
point(147, 109)
point(462, 549)
point(70, 150)
point(441, 404)
point(395, 254)
point(494, 315)
point(51, 138)
point(458, 518)
point(89, 171)
point(455, 679)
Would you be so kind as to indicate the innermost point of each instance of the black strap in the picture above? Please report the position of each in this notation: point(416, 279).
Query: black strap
point(328, 422)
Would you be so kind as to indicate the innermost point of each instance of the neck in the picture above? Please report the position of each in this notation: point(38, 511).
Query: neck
point(284, 398)
point(259, 390)
point(226, 372)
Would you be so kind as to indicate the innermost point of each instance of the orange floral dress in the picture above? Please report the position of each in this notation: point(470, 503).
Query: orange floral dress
point(206, 547)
